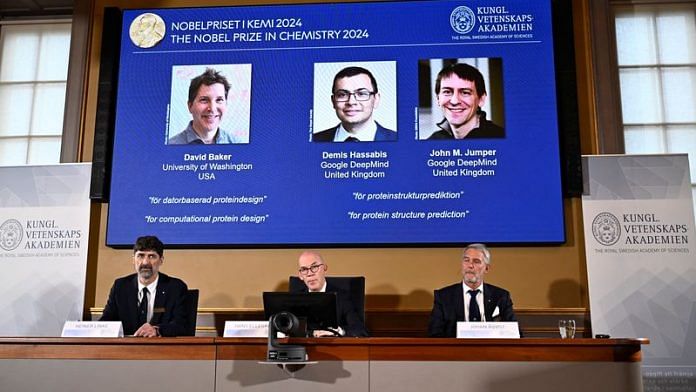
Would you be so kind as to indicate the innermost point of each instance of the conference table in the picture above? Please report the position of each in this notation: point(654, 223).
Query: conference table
point(337, 364)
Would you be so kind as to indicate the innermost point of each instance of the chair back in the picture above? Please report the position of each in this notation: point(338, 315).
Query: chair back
point(191, 311)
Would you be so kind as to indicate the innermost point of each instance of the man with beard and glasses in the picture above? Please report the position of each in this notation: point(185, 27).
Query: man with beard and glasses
point(148, 302)
point(471, 299)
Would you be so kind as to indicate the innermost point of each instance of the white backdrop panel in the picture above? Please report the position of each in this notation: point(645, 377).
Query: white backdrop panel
point(44, 227)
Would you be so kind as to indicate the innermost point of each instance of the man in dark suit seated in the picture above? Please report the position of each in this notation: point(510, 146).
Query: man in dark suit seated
point(464, 300)
point(354, 97)
point(312, 272)
point(148, 303)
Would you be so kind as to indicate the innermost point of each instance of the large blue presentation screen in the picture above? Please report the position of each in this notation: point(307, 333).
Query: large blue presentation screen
point(343, 124)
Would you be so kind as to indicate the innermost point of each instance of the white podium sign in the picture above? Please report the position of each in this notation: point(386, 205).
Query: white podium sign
point(92, 329)
point(497, 330)
point(246, 329)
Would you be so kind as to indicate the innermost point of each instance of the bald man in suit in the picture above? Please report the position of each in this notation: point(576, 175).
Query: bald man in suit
point(312, 271)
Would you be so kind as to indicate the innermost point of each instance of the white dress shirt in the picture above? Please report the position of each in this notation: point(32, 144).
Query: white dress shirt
point(366, 134)
point(152, 289)
point(479, 301)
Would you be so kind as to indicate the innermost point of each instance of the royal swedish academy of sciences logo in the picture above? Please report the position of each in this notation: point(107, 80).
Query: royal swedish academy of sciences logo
point(462, 19)
point(606, 229)
point(11, 234)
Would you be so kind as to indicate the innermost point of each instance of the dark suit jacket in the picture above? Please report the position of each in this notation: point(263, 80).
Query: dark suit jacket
point(348, 318)
point(485, 130)
point(448, 308)
point(382, 134)
point(169, 311)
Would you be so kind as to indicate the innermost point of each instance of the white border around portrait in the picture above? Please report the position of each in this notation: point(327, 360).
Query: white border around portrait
point(384, 72)
point(236, 120)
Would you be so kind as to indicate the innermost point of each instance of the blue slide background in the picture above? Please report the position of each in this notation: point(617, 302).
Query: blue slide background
point(520, 203)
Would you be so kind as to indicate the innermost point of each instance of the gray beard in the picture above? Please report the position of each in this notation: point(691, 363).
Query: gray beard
point(145, 273)
point(471, 280)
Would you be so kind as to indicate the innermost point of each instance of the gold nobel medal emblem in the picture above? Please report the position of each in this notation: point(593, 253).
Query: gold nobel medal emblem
point(147, 30)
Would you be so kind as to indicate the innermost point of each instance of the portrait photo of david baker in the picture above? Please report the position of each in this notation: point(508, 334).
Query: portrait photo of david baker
point(217, 105)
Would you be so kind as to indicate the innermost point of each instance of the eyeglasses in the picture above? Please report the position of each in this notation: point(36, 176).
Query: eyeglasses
point(314, 268)
point(360, 95)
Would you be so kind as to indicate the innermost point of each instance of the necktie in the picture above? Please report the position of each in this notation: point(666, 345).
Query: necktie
point(142, 308)
point(474, 312)
point(352, 139)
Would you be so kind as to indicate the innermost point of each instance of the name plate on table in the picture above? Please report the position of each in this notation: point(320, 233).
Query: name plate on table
point(246, 329)
point(92, 329)
point(497, 330)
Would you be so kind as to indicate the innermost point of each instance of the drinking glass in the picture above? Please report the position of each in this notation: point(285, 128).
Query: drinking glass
point(570, 329)
point(562, 328)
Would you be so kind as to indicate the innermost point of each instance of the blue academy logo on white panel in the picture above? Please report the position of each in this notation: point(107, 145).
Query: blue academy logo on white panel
point(606, 229)
point(11, 234)
point(462, 19)
point(147, 30)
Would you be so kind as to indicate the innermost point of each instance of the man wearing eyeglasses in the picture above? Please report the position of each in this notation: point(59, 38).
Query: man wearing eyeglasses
point(148, 302)
point(354, 97)
point(312, 271)
point(461, 92)
point(471, 299)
